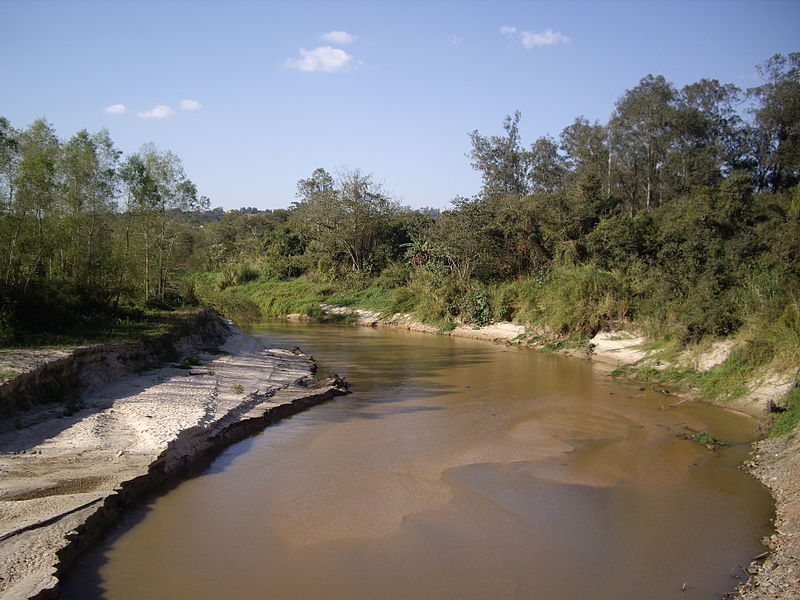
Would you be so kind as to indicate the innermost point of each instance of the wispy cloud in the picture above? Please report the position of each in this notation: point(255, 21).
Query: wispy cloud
point(157, 112)
point(190, 105)
point(533, 39)
point(116, 109)
point(324, 58)
point(455, 40)
point(338, 37)
point(548, 37)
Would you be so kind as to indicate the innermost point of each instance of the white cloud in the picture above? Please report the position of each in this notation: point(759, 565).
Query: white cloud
point(506, 30)
point(323, 58)
point(455, 40)
point(116, 109)
point(338, 37)
point(190, 105)
point(157, 112)
point(548, 37)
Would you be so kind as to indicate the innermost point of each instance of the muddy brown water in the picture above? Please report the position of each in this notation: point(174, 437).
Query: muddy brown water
point(456, 469)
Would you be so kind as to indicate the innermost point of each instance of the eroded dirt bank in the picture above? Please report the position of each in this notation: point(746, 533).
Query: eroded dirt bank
point(66, 478)
point(775, 462)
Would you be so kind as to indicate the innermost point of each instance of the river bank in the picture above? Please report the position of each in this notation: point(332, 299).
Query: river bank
point(70, 468)
point(775, 462)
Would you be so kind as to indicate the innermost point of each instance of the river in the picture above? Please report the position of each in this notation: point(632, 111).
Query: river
point(455, 469)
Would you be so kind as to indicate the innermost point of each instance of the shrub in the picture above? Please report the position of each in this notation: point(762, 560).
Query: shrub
point(236, 274)
point(582, 300)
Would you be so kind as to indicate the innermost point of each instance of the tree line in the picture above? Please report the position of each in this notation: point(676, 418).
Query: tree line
point(681, 212)
point(84, 231)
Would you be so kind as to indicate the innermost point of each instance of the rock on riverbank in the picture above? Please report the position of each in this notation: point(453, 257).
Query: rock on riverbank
point(65, 479)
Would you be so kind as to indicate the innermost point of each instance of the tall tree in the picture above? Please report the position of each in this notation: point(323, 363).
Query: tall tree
point(88, 169)
point(586, 149)
point(502, 161)
point(36, 185)
point(158, 197)
point(547, 167)
point(641, 134)
point(778, 121)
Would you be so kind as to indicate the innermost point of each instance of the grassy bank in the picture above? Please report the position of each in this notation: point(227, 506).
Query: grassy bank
point(572, 303)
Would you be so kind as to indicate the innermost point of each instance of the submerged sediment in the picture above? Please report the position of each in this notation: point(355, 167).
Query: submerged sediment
point(66, 477)
point(773, 575)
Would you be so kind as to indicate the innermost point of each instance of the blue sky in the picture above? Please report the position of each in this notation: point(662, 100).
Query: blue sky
point(278, 89)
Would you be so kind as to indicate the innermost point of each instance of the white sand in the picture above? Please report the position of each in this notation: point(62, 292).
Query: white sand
point(61, 471)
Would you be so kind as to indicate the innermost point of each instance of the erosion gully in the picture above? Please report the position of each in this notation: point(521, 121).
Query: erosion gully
point(455, 469)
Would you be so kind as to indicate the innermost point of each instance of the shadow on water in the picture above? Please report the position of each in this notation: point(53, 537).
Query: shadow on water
point(84, 581)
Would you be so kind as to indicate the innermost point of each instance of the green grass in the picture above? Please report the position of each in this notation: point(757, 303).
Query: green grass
point(706, 439)
point(577, 301)
point(446, 327)
point(372, 298)
point(131, 325)
point(788, 420)
point(261, 297)
point(187, 362)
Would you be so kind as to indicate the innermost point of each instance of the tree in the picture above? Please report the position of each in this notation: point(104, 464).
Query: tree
point(777, 119)
point(88, 167)
point(343, 217)
point(503, 163)
point(547, 167)
point(641, 134)
point(586, 149)
point(36, 195)
point(712, 132)
point(159, 195)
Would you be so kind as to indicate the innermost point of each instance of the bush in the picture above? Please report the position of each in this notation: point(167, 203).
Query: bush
point(477, 307)
point(236, 274)
point(787, 421)
point(582, 300)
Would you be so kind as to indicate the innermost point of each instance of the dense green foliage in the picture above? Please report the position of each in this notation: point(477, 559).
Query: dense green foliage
point(87, 237)
point(680, 214)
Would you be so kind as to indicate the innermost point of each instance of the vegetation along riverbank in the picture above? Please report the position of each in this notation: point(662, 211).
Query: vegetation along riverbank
point(674, 223)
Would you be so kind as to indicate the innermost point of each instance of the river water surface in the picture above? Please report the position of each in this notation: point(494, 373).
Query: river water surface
point(457, 469)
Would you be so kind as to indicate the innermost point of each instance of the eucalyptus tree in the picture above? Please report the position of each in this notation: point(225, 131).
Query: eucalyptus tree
point(547, 168)
point(708, 136)
point(158, 197)
point(641, 135)
point(9, 164)
point(503, 162)
point(586, 151)
point(9, 157)
point(32, 207)
point(88, 169)
point(777, 118)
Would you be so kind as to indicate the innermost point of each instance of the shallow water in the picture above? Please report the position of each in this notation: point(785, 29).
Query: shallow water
point(456, 469)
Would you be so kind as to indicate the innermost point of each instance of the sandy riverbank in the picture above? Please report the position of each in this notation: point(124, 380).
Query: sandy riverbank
point(65, 478)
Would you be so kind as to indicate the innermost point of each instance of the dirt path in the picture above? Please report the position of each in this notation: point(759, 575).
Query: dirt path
point(63, 479)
